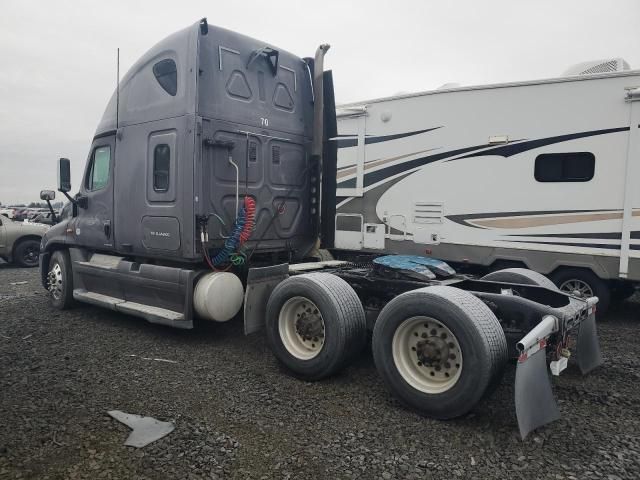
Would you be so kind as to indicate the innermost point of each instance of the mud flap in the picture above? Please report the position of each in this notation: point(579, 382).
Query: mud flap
point(260, 284)
point(588, 347)
point(535, 404)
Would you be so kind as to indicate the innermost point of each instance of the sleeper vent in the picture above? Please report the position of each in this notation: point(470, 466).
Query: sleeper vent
point(275, 154)
point(253, 152)
point(598, 66)
point(427, 212)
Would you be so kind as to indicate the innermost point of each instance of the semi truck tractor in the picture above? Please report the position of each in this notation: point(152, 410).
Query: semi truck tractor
point(209, 189)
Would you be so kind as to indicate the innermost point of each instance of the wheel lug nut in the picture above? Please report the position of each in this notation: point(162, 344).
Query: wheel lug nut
point(433, 331)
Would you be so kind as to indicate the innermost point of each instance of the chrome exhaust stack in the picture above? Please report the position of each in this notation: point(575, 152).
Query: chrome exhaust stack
point(318, 101)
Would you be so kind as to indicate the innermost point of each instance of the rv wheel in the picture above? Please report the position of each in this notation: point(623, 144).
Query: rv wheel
point(438, 350)
point(315, 324)
point(583, 283)
point(60, 280)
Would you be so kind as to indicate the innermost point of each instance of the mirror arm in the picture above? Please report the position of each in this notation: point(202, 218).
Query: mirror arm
point(80, 201)
point(69, 197)
point(53, 213)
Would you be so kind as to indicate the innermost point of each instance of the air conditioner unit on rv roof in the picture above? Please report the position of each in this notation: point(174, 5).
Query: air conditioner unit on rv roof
point(598, 66)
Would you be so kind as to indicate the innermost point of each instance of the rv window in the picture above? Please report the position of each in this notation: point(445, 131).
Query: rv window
point(98, 177)
point(167, 75)
point(565, 167)
point(161, 167)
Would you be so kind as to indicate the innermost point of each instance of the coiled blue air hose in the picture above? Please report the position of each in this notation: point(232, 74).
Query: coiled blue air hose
point(231, 243)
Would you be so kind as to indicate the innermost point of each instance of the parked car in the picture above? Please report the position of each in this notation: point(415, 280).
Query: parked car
point(45, 217)
point(7, 212)
point(20, 241)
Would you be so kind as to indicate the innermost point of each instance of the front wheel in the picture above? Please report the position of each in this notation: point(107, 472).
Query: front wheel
point(60, 280)
point(438, 349)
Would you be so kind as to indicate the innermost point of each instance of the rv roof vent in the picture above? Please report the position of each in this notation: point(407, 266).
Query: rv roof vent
point(598, 66)
point(448, 85)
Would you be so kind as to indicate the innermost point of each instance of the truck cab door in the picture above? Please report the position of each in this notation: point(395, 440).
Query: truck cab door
point(93, 227)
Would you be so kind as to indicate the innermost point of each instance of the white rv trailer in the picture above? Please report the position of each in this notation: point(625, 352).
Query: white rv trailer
point(542, 173)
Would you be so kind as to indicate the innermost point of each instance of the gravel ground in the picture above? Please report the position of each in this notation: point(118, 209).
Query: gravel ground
point(239, 415)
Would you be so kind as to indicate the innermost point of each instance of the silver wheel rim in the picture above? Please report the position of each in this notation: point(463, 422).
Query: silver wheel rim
point(55, 281)
point(427, 355)
point(577, 288)
point(301, 328)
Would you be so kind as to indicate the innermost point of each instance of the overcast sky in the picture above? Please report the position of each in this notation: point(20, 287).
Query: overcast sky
point(58, 57)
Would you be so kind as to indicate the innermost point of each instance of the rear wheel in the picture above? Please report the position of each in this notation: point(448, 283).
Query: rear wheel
point(583, 283)
point(315, 324)
point(60, 280)
point(26, 253)
point(438, 349)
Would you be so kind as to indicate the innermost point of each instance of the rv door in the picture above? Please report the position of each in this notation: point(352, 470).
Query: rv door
point(631, 193)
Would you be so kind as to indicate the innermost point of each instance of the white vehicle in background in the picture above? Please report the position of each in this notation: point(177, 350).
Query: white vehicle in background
point(7, 212)
point(539, 174)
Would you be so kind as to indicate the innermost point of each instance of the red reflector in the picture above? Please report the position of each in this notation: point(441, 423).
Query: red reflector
point(427, 251)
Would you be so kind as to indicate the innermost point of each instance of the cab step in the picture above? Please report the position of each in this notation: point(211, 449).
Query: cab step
point(148, 312)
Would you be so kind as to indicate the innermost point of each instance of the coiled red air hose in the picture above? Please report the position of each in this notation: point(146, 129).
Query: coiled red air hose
point(249, 223)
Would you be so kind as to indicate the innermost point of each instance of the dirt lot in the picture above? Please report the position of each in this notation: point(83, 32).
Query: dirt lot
point(239, 415)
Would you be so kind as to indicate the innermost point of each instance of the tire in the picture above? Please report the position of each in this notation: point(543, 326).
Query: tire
point(334, 333)
point(60, 280)
point(476, 338)
point(623, 292)
point(522, 276)
point(567, 278)
point(26, 253)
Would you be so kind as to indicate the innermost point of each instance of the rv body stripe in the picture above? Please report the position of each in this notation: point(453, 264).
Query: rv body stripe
point(479, 150)
point(372, 178)
point(605, 246)
point(545, 220)
point(585, 235)
point(464, 219)
point(516, 148)
point(376, 163)
point(346, 141)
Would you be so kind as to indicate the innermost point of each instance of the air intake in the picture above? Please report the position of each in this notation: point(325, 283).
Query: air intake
point(598, 66)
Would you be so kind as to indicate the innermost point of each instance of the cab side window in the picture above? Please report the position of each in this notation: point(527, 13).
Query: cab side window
point(99, 169)
point(161, 167)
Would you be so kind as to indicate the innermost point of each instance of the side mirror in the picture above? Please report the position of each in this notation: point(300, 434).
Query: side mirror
point(64, 175)
point(47, 195)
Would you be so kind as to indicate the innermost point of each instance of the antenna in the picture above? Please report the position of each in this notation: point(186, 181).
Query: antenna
point(117, 86)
